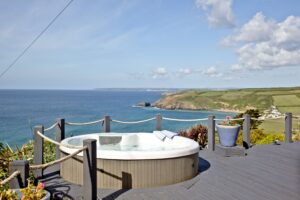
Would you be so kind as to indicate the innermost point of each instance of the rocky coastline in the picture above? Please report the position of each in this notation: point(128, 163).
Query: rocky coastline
point(191, 107)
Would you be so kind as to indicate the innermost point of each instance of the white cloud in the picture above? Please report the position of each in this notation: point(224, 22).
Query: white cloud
point(219, 12)
point(159, 72)
point(212, 72)
point(267, 44)
point(184, 71)
point(162, 73)
point(236, 67)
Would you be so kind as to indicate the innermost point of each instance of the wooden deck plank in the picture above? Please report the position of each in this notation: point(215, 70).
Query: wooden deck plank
point(267, 172)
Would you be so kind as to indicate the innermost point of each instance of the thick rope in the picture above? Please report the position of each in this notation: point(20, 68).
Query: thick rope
point(233, 119)
point(257, 119)
point(133, 122)
point(42, 166)
point(51, 127)
point(57, 143)
point(84, 123)
point(184, 120)
point(265, 119)
point(13, 175)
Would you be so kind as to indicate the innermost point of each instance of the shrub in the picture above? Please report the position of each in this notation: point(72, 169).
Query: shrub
point(296, 136)
point(255, 136)
point(254, 113)
point(30, 192)
point(197, 133)
point(7, 194)
point(270, 138)
point(26, 152)
point(6, 156)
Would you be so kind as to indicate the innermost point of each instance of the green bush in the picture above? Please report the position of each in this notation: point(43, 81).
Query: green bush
point(270, 138)
point(26, 152)
point(197, 133)
point(255, 136)
point(296, 136)
point(253, 113)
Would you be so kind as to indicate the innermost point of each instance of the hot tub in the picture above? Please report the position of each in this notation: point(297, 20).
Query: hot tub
point(134, 160)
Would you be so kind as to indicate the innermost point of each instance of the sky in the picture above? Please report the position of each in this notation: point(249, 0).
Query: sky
point(151, 44)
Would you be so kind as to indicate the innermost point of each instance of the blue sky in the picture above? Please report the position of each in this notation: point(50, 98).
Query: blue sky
point(157, 43)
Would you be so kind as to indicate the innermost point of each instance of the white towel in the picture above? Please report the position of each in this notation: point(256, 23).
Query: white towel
point(169, 134)
point(159, 135)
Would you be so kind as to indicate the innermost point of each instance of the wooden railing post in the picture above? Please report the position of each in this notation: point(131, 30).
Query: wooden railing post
point(288, 127)
point(106, 124)
point(38, 150)
point(158, 122)
point(211, 132)
point(21, 180)
point(60, 134)
point(90, 169)
point(246, 131)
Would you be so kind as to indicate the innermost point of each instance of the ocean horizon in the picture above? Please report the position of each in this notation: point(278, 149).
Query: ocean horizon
point(21, 110)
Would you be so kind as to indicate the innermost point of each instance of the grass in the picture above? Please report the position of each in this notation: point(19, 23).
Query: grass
point(238, 99)
point(274, 126)
point(293, 109)
point(286, 100)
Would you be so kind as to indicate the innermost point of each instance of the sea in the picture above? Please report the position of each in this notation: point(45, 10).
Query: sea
point(21, 110)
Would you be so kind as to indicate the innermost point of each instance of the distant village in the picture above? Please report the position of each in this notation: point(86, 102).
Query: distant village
point(272, 113)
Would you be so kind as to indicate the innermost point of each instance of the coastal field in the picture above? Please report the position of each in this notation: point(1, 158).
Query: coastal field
point(239, 100)
point(236, 100)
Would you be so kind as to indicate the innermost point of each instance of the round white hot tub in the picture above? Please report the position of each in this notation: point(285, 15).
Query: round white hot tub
point(134, 160)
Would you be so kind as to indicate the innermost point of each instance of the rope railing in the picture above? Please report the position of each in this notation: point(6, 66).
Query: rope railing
point(232, 119)
point(257, 119)
point(13, 175)
point(133, 122)
point(164, 118)
point(184, 120)
point(84, 123)
point(51, 127)
point(266, 119)
point(57, 143)
point(42, 166)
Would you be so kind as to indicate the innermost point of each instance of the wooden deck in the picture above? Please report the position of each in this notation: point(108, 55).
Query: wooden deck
point(267, 172)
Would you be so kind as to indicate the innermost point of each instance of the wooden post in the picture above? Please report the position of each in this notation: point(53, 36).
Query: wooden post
point(246, 131)
point(158, 122)
point(288, 127)
point(211, 132)
point(90, 169)
point(60, 134)
point(21, 180)
point(38, 150)
point(106, 124)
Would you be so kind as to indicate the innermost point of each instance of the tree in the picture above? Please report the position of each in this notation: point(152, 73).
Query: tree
point(253, 113)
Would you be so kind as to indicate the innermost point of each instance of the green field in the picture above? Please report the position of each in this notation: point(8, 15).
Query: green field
point(273, 126)
point(238, 100)
point(294, 109)
point(287, 99)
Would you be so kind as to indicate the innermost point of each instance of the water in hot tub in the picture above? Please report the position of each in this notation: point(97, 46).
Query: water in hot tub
point(124, 147)
point(118, 147)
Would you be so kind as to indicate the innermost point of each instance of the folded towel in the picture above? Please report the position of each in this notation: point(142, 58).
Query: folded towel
point(169, 134)
point(159, 135)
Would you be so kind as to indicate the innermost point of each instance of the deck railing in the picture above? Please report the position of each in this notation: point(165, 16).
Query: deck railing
point(20, 169)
